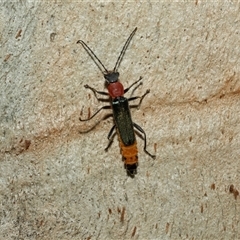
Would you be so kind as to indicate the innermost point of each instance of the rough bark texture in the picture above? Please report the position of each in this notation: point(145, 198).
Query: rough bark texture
point(56, 180)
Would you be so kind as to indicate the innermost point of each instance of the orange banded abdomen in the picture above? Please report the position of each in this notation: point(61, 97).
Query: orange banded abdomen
point(129, 153)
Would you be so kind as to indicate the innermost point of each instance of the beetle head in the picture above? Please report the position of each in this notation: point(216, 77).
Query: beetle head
point(111, 77)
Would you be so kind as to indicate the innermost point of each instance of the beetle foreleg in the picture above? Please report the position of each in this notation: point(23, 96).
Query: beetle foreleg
point(127, 89)
point(96, 91)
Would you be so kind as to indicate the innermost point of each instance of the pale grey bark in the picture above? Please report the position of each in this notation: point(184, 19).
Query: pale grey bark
point(56, 180)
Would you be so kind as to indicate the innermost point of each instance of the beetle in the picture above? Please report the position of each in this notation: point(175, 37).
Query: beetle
point(124, 126)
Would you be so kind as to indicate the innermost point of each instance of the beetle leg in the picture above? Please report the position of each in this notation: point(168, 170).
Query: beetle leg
point(96, 91)
point(141, 98)
point(104, 107)
point(127, 89)
point(145, 140)
point(110, 137)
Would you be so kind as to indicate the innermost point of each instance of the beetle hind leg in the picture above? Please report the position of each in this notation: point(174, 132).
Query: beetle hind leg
point(145, 140)
point(110, 137)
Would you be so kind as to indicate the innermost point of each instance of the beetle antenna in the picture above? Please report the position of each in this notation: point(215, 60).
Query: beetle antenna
point(123, 50)
point(93, 56)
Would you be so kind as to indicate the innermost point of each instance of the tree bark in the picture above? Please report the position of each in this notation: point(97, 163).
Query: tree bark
point(57, 182)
